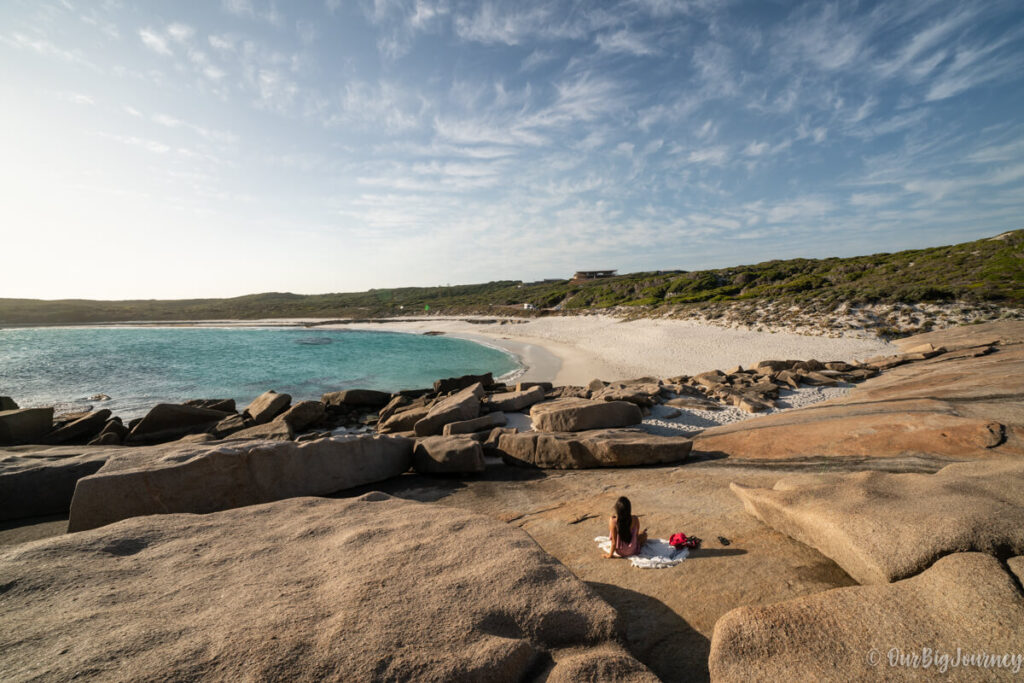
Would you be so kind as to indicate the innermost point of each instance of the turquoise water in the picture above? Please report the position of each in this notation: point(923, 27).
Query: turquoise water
point(139, 367)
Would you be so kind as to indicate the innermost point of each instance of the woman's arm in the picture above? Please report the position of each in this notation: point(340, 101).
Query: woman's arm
point(613, 534)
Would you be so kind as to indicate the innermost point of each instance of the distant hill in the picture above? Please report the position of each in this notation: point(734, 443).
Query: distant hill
point(989, 270)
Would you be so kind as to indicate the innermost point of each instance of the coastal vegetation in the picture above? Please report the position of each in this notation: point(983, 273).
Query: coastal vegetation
point(985, 272)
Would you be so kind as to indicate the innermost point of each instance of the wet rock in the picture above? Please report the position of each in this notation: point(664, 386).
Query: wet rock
point(7, 403)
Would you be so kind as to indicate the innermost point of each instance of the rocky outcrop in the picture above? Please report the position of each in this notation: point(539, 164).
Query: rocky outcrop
point(35, 481)
point(448, 455)
point(24, 425)
point(303, 415)
point(882, 527)
point(514, 401)
point(577, 414)
point(478, 424)
point(373, 588)
point(275, 430)
point(206, 478)
point(403, 420)
point(446, 386)
point(463, 405)
point(958, 404)
point(225, 405)
point(966, 602)
point(83, 428)
point(169, 421)
point(356, 397)
point(598, 448)
point(8, 403)
point(267, 406)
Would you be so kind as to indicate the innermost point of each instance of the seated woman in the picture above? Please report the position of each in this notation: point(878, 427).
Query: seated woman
point(624, 530)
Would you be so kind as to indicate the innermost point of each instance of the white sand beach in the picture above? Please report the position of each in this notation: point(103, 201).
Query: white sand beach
point(577, 349)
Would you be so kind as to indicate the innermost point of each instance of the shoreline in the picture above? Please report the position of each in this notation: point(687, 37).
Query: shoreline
point(573, 350)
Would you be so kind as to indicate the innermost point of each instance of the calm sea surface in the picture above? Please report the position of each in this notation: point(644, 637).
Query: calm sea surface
point(139, 367)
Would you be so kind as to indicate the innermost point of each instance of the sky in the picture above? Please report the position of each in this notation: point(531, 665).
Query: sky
point(219, 148)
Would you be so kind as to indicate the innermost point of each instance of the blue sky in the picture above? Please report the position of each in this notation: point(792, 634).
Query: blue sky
point(185, 149)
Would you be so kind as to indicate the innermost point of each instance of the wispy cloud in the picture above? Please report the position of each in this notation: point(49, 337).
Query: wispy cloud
point(155, 42)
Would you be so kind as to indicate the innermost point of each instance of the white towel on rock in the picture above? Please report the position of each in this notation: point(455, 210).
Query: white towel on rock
point(656, 553)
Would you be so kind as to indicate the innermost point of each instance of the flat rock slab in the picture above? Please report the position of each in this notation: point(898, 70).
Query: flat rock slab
point(40, 481)
point(304, 589)
point(882, 527)
point(203, 478)
point(597, 448)
point(579, 414)
point(966, 601)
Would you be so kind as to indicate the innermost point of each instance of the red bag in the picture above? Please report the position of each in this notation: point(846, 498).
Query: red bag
point(680, 541)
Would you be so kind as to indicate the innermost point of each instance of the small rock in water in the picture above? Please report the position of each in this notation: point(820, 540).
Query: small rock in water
point(99, 397)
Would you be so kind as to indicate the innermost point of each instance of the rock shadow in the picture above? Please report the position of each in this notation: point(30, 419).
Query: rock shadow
point(657, 636)
point(430, 488)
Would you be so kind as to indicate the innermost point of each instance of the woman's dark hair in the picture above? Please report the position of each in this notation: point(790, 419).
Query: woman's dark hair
point(624, 519)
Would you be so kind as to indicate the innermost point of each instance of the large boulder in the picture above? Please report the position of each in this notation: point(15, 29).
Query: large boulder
point(366, 398)
point(372, 588)
point(579, 414)
point(267, 406)
point(881, 527)
point(226, 405)
point(966, 605)
point(446, 386)
point(35, 482)
point(598, 448)
point(83, 428)
point(169, 421)
point(403, 420)
point(464, 405)
point(275, 430)
point(303, 415)
point(24, 425)
point(477, 424)
point(448, 455)
point(8, 403)
point(514, 401)
point(203, 478)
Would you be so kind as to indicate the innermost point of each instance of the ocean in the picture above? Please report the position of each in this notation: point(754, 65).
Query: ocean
point(139, 367)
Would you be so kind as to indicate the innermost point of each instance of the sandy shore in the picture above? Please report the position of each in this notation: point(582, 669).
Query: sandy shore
point(575, 350)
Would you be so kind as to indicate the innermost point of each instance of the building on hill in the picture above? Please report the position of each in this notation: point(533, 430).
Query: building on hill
point(591, 275)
